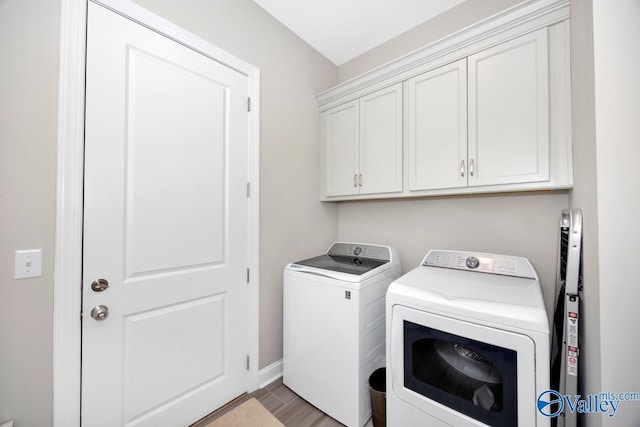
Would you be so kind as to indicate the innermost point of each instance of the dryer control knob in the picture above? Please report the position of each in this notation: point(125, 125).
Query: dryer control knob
point(472, 262)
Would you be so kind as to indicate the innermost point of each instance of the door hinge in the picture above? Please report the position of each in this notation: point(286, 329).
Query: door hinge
point(247, 362)
point(247, 275)
point(249, 104)
point(248, 189)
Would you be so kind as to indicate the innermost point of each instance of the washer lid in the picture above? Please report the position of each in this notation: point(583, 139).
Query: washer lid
point(350, 262)
point(342, 264)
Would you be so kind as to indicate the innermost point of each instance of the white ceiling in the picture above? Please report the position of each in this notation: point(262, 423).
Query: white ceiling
point(344, 29)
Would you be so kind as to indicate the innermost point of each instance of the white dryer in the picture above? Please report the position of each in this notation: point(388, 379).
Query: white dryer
point(467, 343)
point(334, 327)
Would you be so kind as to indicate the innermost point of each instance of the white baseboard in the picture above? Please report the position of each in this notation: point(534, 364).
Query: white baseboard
point(270, 373)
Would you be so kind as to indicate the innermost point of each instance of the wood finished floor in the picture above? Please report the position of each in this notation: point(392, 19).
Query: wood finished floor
point(285, 405)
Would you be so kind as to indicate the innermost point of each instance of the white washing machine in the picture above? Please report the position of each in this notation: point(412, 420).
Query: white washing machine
point(467, 343)
point(334, 327)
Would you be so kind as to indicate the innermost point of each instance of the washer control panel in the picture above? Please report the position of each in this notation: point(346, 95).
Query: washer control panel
point(381, 253)
point(481, 262)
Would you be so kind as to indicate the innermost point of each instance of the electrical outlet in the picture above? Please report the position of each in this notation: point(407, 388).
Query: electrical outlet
point(28, 264)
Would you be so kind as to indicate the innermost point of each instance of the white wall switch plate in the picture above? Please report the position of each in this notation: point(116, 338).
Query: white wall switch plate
point(28, 264)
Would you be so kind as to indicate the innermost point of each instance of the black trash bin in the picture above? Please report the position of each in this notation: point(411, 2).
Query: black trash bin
point(378, 390)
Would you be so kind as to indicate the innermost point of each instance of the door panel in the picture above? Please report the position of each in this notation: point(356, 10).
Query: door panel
point(509, 112)
point(437, 121)
point(166, 219)
point(381, 141)
point(168, 148)
point(154, 340)
point(341, 133)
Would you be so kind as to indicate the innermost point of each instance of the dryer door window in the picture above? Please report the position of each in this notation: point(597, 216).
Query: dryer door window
point(416, 337)
point(472, 377)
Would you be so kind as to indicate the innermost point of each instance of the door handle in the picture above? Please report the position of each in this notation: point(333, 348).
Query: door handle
point(471, 167)
point(100, 312)
point(462, 168)
point(360, 180)
point(355, 180)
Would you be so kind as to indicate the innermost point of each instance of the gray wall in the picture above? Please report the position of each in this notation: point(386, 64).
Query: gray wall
point(28, 97)
point(521, 224)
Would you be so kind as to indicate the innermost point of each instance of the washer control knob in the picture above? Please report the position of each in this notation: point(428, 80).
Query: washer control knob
point(357, 250)
point(472, 262)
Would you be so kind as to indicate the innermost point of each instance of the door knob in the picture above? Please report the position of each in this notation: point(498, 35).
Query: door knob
point(100, 312)
point(99, 285)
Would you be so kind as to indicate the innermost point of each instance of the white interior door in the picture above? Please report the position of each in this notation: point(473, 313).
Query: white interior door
point(166, 224)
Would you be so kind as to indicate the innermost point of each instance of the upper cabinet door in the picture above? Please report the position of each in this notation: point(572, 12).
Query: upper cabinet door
point(381, 141)
point(509, 112)
point(437, 128)
point(341, 142)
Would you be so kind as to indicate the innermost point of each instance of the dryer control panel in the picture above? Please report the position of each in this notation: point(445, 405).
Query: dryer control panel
point(481, 262)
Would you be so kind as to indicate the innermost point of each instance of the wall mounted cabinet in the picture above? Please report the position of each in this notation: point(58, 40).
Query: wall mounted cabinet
point(363, 145)
point(485, 110)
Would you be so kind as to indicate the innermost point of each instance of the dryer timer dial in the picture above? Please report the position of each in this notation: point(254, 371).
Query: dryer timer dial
point(472, 262)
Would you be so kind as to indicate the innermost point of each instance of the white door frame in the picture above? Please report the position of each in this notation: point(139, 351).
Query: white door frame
point(70, 185)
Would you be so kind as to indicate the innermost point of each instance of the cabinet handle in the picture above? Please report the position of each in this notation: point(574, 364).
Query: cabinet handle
point(355, 180)
point(471, 167)
point(462, 168)
point(360, 180)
